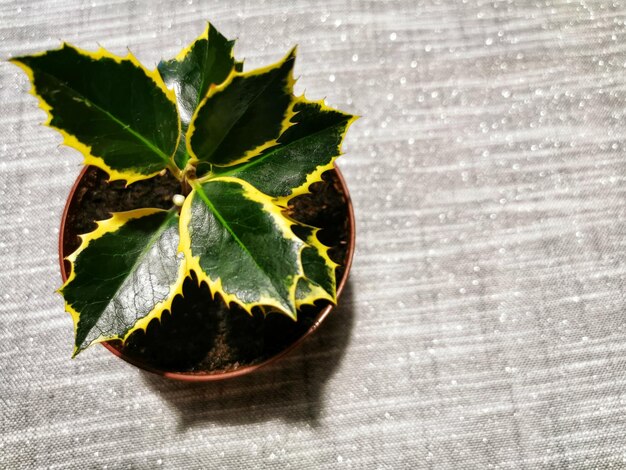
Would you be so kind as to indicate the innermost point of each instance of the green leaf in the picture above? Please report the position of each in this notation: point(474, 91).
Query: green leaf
point(319, 270)
point(241, 244)
point(205, 62)
point(118, 114)
point(124, 274)
point(306, 150)
point(243, 116)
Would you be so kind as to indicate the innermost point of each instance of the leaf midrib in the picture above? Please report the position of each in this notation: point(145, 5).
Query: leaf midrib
point(199, 94)
point(229, 229)
point(122, 124)
point(262, 158)
point(144, 251)
point(230, 128)
point(123, 277)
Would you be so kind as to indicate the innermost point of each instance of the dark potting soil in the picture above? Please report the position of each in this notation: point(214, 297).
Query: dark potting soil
point(202, 333)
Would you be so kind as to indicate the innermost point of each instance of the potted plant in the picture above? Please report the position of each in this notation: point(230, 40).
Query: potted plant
point(210, 185)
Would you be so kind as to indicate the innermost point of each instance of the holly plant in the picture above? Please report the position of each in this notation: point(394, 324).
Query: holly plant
point(241, 144)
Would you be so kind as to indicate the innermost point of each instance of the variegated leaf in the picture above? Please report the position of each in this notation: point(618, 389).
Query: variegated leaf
point(303, 153)
point(205, 62)
point(241, 244)
point(124, 274)
point(243, 116)
point(119, 115)
point(319, 270)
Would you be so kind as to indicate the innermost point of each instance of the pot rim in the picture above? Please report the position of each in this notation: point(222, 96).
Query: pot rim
point(201, 376)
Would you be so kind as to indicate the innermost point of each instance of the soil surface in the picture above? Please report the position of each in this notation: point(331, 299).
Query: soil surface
point(202, 333)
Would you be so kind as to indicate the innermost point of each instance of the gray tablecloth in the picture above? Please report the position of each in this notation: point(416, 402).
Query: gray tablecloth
point(483, 326)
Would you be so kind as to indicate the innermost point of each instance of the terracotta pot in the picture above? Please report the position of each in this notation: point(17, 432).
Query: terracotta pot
point(200, 376)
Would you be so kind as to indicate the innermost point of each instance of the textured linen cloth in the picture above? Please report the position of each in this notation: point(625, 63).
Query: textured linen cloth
point(483, 326)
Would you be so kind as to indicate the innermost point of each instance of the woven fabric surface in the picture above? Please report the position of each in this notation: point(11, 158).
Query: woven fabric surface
point(483, 326)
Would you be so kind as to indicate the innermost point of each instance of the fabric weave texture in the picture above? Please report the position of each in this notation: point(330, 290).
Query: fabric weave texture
point(483, 326)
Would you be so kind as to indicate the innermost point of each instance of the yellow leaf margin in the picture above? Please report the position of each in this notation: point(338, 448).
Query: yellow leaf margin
point(215, 285)
point(316, 292)
point(71, 140)
point(316, 175)
point(285, 124)
point(117, 220)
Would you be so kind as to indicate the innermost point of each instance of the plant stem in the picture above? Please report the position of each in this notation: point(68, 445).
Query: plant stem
point(188, 174)
point(175, 171)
